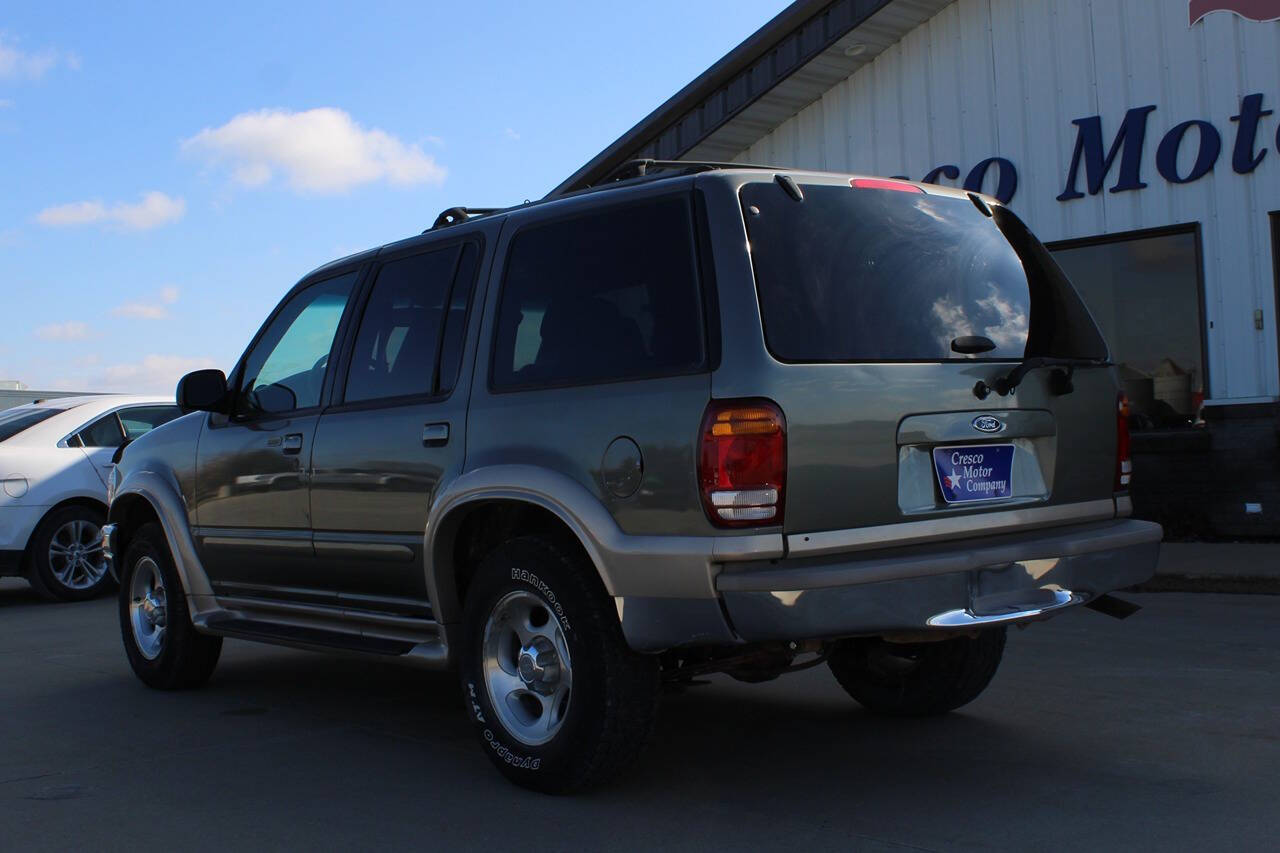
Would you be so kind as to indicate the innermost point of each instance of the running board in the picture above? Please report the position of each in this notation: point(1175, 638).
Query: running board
point(321, 628)
point(304, 637)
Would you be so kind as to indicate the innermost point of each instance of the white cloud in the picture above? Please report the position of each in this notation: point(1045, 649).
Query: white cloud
point(511, 134)
point(151, 211)
point(17, 64)
point(318, 151)
point(154, 374)
point(149, 310)
point(75, 213)
point(5, 103)
point(63, 331)
point(140, 310)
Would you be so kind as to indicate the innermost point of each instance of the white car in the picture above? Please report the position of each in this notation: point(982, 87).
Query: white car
point(55, 460)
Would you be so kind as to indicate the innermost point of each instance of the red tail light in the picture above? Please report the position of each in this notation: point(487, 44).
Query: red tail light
point(742, 463)
point(1124, 465)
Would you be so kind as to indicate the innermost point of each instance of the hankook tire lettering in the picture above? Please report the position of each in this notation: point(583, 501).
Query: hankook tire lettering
point(526, 576)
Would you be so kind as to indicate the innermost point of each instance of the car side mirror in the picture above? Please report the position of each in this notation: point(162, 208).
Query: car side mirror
point(202, 391)
point(273, 399)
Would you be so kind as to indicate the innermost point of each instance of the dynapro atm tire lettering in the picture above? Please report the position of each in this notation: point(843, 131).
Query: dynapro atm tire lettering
point(524, 762)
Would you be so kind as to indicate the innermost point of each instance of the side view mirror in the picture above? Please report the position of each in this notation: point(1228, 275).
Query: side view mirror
point(202, 391)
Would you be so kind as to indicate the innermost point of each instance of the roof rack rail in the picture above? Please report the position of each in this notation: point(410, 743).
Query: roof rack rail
point(457, 215)
point(642, 167)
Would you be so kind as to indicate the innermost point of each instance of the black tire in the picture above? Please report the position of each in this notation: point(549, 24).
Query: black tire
point(917, 679)
point(612, 702)
point(60, 579)
point(185, 658)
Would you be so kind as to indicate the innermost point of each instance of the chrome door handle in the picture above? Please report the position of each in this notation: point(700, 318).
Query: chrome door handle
point(292, 443)
point(434, 435)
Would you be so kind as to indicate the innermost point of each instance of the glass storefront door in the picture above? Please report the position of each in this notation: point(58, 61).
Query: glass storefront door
point(1144, 291)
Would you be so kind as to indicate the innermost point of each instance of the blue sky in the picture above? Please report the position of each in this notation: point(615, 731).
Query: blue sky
point(169, 171)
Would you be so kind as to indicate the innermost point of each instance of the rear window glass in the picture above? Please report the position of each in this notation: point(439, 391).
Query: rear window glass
point(15, 421)
point(609, 296)
point(865, 274)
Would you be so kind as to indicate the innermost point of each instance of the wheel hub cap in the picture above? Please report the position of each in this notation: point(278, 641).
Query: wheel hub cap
point(538, 665)
point(152, 610)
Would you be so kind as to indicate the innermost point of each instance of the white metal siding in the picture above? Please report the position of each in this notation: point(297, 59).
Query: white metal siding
point(986, 78)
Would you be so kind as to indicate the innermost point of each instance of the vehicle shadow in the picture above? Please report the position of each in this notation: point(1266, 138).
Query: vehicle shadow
point(790, 763)
point(730, 737)
point(722, 737)
point(16, 591)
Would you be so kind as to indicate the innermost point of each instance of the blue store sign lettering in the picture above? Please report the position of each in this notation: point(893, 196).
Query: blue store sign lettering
point(1095, 159)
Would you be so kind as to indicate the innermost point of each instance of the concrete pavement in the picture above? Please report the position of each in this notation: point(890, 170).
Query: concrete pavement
point(1157, 732)
point(1247, 567)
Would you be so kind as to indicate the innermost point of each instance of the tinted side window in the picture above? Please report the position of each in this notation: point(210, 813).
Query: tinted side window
point(395, 350)
point(285, 369)
point(104, 432)
point(612, 295)
point(140, 420)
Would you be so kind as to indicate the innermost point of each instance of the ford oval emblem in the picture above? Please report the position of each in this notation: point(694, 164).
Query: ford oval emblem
point(986, 423)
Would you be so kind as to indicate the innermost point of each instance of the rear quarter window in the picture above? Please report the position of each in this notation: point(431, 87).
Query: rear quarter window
point(104, 432)
point(608, 296)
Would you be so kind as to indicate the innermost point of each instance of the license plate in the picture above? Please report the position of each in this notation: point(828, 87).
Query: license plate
point(978, 472)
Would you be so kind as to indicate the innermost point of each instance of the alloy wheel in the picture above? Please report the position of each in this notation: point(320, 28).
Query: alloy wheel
point(527, 669)
point(75, 555)
point(148, 608)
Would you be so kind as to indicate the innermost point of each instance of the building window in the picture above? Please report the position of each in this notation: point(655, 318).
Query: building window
point(1144, 291)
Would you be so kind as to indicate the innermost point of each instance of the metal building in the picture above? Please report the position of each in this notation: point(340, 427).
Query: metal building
point(1139, 138)
point(18, 396)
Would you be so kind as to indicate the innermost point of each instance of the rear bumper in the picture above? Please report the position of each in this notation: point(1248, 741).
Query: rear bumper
point(970, 583)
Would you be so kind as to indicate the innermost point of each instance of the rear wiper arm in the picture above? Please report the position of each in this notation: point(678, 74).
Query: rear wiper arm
point(1059, 382)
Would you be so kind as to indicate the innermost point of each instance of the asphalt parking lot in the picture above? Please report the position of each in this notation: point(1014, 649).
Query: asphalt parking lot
point(1159, 732)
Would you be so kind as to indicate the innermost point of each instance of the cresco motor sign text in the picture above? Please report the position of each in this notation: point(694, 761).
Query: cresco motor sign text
point(1103, 150)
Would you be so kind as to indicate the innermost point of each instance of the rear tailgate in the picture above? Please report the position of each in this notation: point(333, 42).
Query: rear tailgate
point(862, 291)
